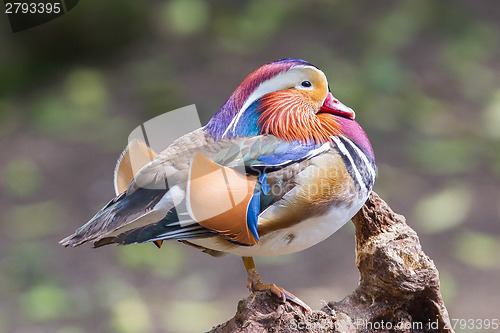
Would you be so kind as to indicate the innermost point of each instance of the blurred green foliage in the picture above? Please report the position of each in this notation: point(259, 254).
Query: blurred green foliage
point(122, 320)
point(423, 77)
point(21, 178)
point(185, 17)
point(34, 221)
point(178, 316)
point(439, 212)
point(145, 257)
point(44, 302)
point(478, 249)
point(491, 116)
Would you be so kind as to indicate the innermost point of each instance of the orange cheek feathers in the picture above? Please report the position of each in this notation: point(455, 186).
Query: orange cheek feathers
point(288, 115)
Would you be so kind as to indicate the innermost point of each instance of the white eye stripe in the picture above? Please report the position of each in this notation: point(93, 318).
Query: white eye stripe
point(283, 80)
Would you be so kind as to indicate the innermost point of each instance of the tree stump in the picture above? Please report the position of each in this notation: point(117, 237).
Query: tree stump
point(398, 289)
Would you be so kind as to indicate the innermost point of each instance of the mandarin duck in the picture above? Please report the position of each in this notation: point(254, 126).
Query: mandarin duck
point(280, 167)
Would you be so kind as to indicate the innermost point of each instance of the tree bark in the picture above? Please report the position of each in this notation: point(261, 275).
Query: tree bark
point(398, 289)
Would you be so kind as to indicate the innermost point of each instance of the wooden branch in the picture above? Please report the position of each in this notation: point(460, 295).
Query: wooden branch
point(398, 290)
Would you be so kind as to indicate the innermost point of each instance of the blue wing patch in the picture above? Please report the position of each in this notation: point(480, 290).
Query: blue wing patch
point(285, 154)
point(260, 201)
point(253, 212)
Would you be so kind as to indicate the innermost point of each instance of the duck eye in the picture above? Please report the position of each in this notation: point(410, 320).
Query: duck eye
point(306, 84)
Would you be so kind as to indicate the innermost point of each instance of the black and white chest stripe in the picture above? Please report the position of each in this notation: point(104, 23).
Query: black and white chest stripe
point(359, 166)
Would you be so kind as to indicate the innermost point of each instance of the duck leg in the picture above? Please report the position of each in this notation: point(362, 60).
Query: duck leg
point(255, 284)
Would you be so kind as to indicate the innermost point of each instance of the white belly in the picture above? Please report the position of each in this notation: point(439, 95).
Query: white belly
point(293, 239)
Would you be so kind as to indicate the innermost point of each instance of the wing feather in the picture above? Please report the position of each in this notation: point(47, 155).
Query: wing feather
point(244, 169)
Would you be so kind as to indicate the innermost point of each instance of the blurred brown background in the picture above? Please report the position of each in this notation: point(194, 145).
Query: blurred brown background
point(423, 77)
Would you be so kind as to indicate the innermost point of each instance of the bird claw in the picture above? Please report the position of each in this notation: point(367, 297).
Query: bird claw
point(283, 294)
point(288, 296)
point(250, 286)
point(255, 284)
